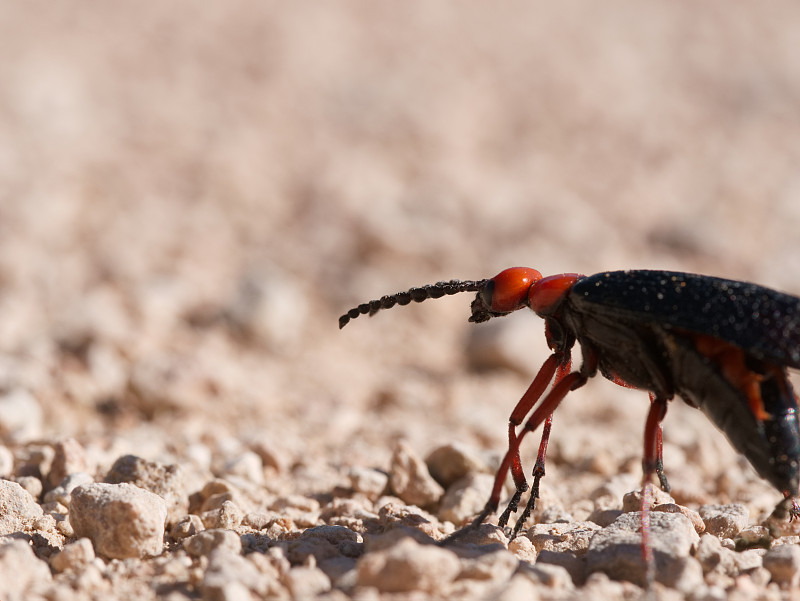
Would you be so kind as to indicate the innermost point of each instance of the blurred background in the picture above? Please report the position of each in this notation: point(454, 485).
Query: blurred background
point(191, 195)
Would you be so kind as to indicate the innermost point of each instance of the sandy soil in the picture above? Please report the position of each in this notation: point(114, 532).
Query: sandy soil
point(190, 197)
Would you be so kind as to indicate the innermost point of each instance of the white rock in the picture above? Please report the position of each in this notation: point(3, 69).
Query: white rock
point(617, 550)
point(18, 509)
point(725, 521)
point(122, 520)
point(205, 542)
point(20, 415)
point(410, 479)
point(408, 566)
point(73, 556)
point(465, 498)
point(20, 570)
point(783, 563)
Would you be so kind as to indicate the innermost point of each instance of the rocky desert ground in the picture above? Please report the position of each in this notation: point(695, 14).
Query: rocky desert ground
point(190, 196)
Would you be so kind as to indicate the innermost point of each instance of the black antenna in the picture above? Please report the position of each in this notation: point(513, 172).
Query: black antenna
point(437, 290)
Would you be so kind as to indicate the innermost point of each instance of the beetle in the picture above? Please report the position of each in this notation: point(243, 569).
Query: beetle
point(723, 346)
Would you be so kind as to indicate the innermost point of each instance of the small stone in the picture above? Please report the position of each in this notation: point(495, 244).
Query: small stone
point(574, 566)
point(18, 509)
point(270, 456)
point(551, 575)
point(122, 520)
point(324, 543)
point(725, 521)
point(523, 549)
point(20, 416)
point(497, 565)
point(204, 543)
point(410, 479)
point(167, 481)
point(713, 556)
point(31, 484)
point(465, 498)
point(20, 570)
point(604, 517)
point(307, 582)
point(70, 457)
point(228, 516)
point(783, 563)
point(520, 586)
point(370, 482)
point(453, 461)
point(408, 566)
point(694, 517)
point(754, 536)
point(187, 526)
point(6, 462)
point(73, 556)
point(247, 465)
point(632, 501)
point(34, 460)
point(616, 550)
point(63, 492)
point(573, 537)
point(231, 576)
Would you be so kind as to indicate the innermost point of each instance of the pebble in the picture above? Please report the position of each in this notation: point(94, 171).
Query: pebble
point(73, 556)
point(20, 416)
point(551, 575)
point(632, 501)
point(187, 526)
point(122, 520)
point(410, 480)
point(616, 550)
point(167, 481)
point(31, 484)
point(694, 517)
point(783, 564)
point(204, 543)
point(228, 515)
point(307, 582)
point(453, 461)
point(6, 462)
point(520, 586)
point(247, 465)
point(231, 576)
point(21, 572)
point(20, 511)
point(465, 498)
point(725, 521)
point(495, 565)
point(573, 536)
point(408, 566)
point(63, 492)
point(70, 457)
point(370, 482)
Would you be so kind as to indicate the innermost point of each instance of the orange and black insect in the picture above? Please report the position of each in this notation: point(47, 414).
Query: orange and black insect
point(722, 346)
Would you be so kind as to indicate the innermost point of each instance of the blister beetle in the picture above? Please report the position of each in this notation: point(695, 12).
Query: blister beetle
point(722, 346)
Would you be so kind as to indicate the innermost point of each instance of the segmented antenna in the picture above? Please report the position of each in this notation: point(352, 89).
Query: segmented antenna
point(437, 290)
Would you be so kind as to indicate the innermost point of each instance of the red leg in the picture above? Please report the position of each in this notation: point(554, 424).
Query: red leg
point(548, 405)
point(650, 463)
point(524, 405)
point(538, 468)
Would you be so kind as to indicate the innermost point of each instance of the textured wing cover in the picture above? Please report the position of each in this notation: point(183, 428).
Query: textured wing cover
point(763, 322)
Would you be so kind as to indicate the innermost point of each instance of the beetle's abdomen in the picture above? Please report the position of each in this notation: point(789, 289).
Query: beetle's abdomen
point(751, 401)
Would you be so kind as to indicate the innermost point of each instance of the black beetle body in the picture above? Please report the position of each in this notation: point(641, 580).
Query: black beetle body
point(721, 345)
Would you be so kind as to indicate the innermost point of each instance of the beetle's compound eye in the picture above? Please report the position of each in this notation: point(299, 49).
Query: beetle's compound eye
point(504, 293)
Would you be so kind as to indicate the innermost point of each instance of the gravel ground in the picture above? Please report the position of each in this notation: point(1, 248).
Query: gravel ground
point(189, 200)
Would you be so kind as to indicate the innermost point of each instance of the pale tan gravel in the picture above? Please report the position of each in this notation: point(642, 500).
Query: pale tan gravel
point(190, 196)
